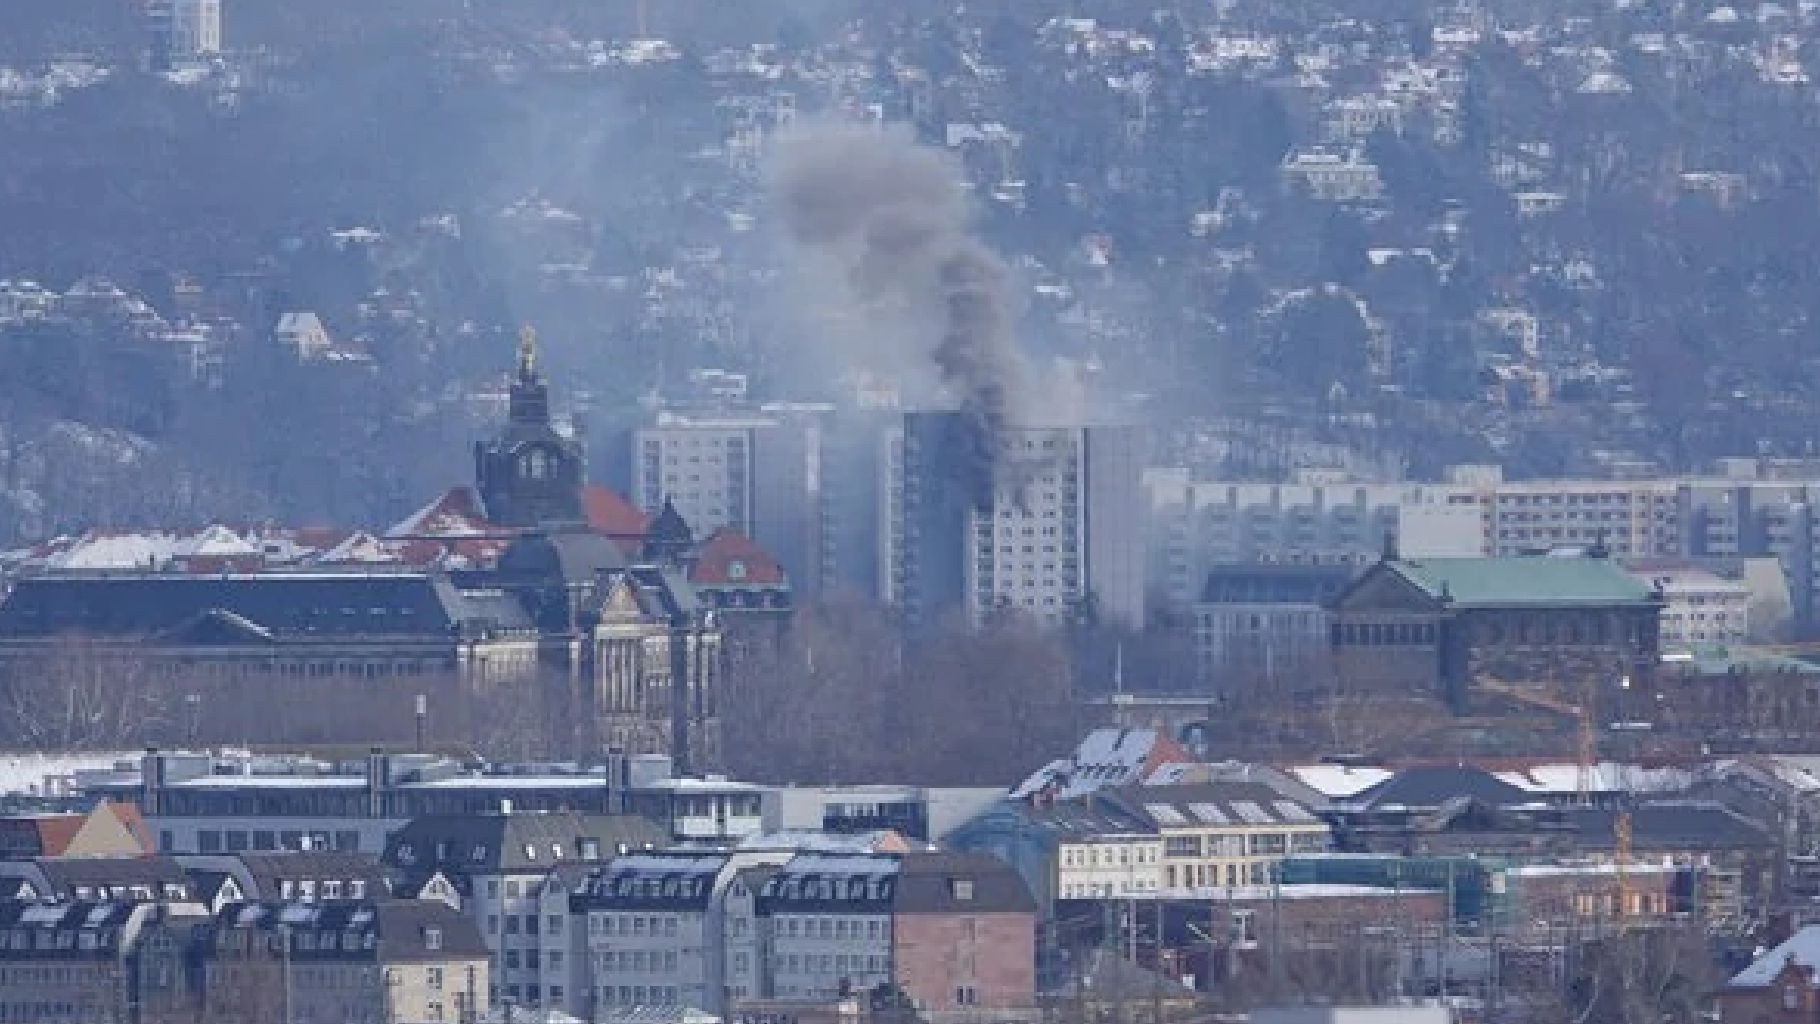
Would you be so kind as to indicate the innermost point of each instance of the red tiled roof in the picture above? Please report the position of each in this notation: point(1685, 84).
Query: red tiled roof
point(51, 834)
point(729, 558)
point(611, 514)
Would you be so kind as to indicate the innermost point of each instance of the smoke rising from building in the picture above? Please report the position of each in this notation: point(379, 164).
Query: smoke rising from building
point(879, 230)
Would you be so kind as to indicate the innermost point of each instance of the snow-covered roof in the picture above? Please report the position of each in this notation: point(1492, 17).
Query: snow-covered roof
point(1338, 781)
point(1803, 948)
point(1105, 758)
point(1605, 777)
point(101, 549)
point(215, 541)
point(37, 773)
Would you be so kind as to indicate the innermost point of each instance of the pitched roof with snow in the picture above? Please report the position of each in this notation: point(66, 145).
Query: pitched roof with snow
point(1106, 757)
point(455, 513)
point(1803, 948)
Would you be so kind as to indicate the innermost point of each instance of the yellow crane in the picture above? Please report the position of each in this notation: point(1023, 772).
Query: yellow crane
point(1621, 854)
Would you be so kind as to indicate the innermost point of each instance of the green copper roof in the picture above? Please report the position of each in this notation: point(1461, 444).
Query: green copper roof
point(1498, 582)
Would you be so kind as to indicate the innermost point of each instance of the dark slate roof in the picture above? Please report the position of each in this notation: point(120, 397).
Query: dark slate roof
point(1274, 584)
point(562, 557)
point(389, 931)
point(1220, 803)
point(405, 928)
point(522, 842)
point(960, 883)
point(1677, 825)
point(1083, 819)
point(669, 529)
point(156, 874)
point(673, 881)
point(1432, 786)
point(270, 870)
point(101, 920)
point(272, 604)
point(832, 884)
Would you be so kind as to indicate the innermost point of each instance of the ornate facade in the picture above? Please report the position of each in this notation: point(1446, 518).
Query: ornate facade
point(1468, 631)
point(621, 653)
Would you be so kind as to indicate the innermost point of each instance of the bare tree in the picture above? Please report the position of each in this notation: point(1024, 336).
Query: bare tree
point(1656, 974)
point(77, 694)
point(844, 699)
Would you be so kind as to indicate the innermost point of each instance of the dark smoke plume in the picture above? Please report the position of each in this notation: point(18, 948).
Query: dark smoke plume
point(886, 221)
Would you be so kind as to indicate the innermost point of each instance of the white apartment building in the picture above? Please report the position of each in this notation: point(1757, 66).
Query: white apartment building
point(759, 473)
point(1063, 520)
point(1099, 865)
point(1702, 608)
point(1335, 177)
point(195, 27)
point(1196, 525)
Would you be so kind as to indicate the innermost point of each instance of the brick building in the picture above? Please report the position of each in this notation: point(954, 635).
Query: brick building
point(964, 936)
point(1472, 631)
point(1780, 987)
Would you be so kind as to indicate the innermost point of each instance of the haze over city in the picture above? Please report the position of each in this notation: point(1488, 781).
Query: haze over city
point(804, 511)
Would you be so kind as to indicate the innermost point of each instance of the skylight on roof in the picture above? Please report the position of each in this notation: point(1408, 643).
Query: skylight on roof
point(1210, 813)
point(1251, 813)
point(1289, 810)
point(1166, 814)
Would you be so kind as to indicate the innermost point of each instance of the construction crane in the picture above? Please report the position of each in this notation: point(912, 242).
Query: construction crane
point(1620, 828)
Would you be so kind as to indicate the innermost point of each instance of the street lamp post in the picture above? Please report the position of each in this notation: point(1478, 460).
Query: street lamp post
point(192, 703)
point(422, 711)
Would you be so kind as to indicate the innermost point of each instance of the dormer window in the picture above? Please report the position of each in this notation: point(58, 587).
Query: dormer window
point(406, 854)
point(530, 852)
point(432, 939)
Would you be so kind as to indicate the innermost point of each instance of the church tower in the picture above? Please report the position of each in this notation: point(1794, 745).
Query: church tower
point(530, 474)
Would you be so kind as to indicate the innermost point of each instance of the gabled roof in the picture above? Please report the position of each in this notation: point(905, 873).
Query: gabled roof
point(1432, 786)
point(729, 559)
point(1803, 948)
point(462, 845)
point(564, 557)
point(1514, 582)
point(456, 512)
point(609, 513)
point(66, 874)
point(270, 870)
point(1106, 757)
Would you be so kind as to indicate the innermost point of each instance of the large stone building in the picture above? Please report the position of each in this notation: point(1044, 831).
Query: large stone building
point(1559, 630)
point(548, 604)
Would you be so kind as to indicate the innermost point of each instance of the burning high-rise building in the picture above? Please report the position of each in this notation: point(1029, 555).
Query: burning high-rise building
point(1060, 531)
